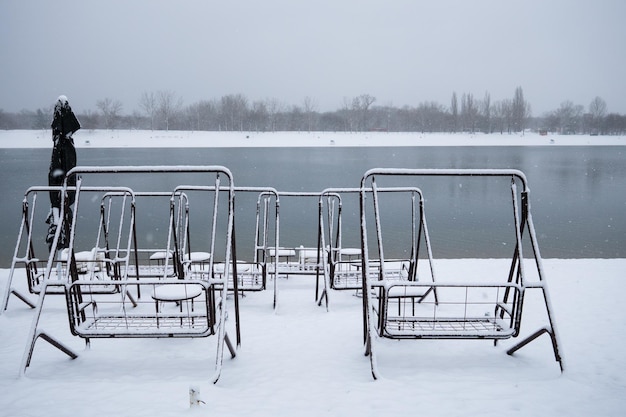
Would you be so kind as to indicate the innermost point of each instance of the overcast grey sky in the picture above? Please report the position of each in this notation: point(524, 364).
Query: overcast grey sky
point(402, 52)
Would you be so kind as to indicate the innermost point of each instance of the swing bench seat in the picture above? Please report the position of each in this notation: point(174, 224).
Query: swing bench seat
point(148, 326)
point(345, 279)
point(347, 275)
point(250, 276)
point(446, 328)
point(147, 263)
point(460, 310)
point(179, 308)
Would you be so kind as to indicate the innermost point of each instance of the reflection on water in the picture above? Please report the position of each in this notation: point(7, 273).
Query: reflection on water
point(578, 194)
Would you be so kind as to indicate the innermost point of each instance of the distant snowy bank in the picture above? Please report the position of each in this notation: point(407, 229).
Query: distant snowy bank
point(202, 139)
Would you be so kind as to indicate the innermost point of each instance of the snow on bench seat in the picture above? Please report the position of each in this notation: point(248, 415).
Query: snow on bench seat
point(462, 310)
point(177, 308)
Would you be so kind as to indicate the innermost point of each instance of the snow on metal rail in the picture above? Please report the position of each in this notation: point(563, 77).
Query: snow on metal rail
point(447, 172)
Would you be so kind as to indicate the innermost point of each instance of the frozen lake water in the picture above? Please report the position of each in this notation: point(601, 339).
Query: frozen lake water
point(578, 193)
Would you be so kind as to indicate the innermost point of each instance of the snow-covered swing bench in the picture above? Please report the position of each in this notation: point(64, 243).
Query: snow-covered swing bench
point(342, 269)
point(30, 247)
point(252, 273)
point(186, 305)
point(472, 304)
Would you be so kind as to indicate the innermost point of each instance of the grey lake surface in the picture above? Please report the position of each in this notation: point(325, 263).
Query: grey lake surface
point(578, 194)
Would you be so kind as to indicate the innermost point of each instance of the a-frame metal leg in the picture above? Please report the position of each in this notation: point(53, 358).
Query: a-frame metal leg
point(35, 334)
point(10, 290)
point(22, 297)
point(535, 335)
point(54, 343)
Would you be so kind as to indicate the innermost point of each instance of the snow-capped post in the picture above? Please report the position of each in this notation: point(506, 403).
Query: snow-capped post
point(194, 397)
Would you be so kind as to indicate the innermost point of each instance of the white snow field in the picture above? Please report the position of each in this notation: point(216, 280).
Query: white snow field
point(175, 139)
point(303, 360)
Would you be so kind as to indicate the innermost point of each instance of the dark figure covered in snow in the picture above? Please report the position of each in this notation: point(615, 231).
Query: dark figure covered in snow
point(63, 159)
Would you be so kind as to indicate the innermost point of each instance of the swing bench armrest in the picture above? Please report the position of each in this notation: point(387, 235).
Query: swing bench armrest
point(503, 307)
point(28, 261)
point(82, 306)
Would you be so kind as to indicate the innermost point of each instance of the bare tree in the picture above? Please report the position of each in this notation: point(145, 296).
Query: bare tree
point(365, 102)
point(168, 104)
point(192, 117)
point(41, 119)
point(274, 108)
point(485, 110)
point(148, 104)
point(234, 109)
point(110, 110)
point(615, 124)
point(502, 115)
point(348, 115)
point(310, 109)
point(520, 110)
point(359, 108)
point(259, 116)
point(454, 111)
point(89, 119)
point(296, 119)
point(429, 116)
point(597, 109)
point(469, 112)
point(568, 117)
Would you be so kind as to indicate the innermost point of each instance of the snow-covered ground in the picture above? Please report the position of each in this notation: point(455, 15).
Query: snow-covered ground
point(306, 361)
point(175, 139)
point(302, 360)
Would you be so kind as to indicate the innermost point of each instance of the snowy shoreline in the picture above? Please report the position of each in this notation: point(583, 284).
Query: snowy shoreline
point(201, 139)
point(302, 360)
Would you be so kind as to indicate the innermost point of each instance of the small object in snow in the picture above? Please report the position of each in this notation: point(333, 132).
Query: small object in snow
point(194, 397)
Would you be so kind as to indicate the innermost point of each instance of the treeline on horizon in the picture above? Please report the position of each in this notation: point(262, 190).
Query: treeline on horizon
point(164, 110)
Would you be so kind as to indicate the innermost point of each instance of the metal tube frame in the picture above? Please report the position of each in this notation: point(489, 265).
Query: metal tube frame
point(516, 277)
point(35, 333)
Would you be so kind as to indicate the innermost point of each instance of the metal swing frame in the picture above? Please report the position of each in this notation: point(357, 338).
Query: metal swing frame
point(267, 224)
point(340, 274)
point(155, 262)
point(504, 311)
point(26, 249)
point(204, 299)
point(252, 274)
point(309, 259)
point(254, 277)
